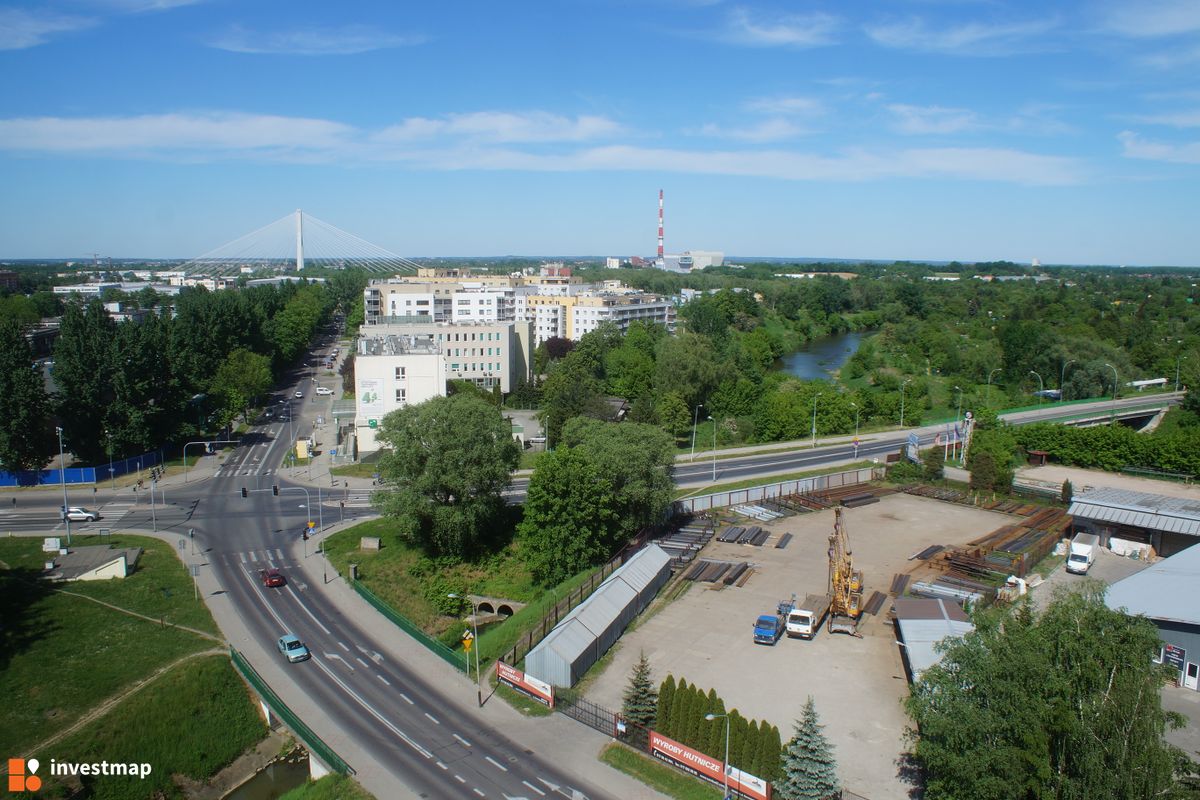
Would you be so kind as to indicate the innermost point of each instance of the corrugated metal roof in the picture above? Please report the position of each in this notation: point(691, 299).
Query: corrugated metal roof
point(1139, 509)
point(1167, 590)
point(923, 623)
point(594, 619)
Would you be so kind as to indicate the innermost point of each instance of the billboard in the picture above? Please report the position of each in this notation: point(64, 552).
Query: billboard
point(370, 397)
point(525, 684)
point(911, 449)
point(710, 769)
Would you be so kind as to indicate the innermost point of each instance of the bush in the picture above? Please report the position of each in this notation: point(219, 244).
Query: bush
point(904, 471)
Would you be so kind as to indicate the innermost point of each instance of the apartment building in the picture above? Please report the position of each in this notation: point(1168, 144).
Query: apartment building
point(391, 371)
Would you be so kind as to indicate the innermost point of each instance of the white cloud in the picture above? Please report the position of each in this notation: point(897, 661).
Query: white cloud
point(346, 40)
point(769, 130)
point(1177, 119)
point(789, 30)
point(503, 126)
point(1137, 147)
point(969, 39)
point(932, 119)
point(489, 141)
point(1150, 18)
point(20, 29)
point(219, 133)
point(799, 106)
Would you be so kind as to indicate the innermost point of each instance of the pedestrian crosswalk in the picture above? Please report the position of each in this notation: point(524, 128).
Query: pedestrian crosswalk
point(242, 470)
point(267, 556)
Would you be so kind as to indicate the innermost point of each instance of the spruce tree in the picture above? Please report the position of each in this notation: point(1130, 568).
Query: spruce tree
point(666, 696)
point(809, 768)
point(641, 701)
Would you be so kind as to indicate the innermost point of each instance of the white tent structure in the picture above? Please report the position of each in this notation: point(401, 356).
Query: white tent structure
point(594, 625)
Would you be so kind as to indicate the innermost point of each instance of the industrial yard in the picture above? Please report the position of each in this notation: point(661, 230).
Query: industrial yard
point(705, 635)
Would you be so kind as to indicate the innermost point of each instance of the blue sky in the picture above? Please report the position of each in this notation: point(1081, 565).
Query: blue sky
point(910, 129)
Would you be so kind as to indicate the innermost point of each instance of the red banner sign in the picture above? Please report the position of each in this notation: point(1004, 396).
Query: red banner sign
point(525, 684)
point(710, 769)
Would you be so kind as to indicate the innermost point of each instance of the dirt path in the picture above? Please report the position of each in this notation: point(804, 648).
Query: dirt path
point(110, 703)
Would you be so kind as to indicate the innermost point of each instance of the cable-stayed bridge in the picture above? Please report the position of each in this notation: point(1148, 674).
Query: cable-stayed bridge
point(295, 242)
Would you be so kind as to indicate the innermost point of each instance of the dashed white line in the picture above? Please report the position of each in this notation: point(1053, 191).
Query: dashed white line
point(385, 680)
point(278, 553)
point(464, 742)
point(312, 616)
point(243, 555)
point(347, 649)
point(359, 660)
point(536, 789)
point(443, 766)
point(432, 718)
point(460, 778)
point(406, 698)
point(495, 763)
point(253, 557)
point(476, 791)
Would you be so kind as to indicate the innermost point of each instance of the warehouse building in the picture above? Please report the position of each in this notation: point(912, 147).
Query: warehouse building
point(1166, 594)
point(593, 626)
point(1131, 522)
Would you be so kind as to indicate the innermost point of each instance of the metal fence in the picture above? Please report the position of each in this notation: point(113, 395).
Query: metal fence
point(408, 626)
point(594, 716)
point(77, 475)
point(770, 491)
point(313, 742)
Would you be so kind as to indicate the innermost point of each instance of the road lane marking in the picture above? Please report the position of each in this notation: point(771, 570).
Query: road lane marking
point(359, 660)
point(406, 698)
point(465, 743)
point(304, 608)
point(432, 718)
point(536, 789)
point(476, 791)
point(243, 555)
point(495, 763)
point(339, 658)
point(253, 557)
point(460, 779)
point(278, 553)
point(347, 649)
point(442, 766)
point(385, 680)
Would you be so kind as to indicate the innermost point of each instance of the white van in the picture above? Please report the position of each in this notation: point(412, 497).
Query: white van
point(1083, 553)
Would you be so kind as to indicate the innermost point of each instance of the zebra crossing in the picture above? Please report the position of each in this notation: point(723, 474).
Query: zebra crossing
point(266, 557)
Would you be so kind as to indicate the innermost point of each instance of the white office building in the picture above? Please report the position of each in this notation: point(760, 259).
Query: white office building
point(392, 371)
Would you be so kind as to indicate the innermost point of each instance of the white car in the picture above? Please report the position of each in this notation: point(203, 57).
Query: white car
point(80, 514)
point(298, 394)
point(324, 390)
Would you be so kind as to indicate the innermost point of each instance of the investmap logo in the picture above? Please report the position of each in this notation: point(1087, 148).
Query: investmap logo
point(23, 777)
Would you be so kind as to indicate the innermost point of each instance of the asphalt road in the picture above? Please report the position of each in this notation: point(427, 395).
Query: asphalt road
point(394, 714)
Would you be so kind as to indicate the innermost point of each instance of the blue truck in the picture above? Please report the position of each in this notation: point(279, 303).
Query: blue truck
point(769, 627)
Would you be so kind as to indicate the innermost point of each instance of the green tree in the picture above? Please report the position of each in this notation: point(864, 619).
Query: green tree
point(809, 771)
point(639, 461)
point(933, 462)
point(678, 717)
point(673, 415)
point(447, 462)
point(570, 517)
point(82, 370)
point(571, 390)
point(1063, 704)
point(666, 696)
point(1068, 492)
point(687, 365)
point(24, 405)
point(640, 702)
point(241, 378)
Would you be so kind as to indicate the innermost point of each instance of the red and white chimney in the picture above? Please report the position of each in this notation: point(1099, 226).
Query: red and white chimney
point(660, 224)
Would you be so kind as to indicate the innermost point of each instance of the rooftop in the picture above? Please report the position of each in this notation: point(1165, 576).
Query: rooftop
point(1165, 591)
point(1139, 509)
point(925, 622)
point(82, 560)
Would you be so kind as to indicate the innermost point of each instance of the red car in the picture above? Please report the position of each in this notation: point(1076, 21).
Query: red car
point(271, 577)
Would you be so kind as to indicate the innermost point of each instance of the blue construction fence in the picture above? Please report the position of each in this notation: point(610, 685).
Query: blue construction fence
point(76, 475)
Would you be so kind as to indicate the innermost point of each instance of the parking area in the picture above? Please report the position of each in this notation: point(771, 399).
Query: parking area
point(859, 685)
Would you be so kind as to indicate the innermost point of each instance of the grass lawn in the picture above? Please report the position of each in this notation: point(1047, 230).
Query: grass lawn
point(60, 655)
point(657, 775)
point(193, 721)
point(331, 787)
point(356, 470)
point(389, 573)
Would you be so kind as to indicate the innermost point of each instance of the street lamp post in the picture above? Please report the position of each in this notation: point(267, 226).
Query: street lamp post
point(695, 421)
point(474, 642)
point(1116, 380)
point(1041, 386)
point(989, 385)
point(1062, 375)
point(906, 383)
point(1177, 359)
point(814, 420)
point(725, 766)
point(957, 418)
point(62, 474)
point(714, 422)
point(856, 410)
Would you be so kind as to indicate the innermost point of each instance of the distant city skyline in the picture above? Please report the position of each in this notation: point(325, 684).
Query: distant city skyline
point(905, 130)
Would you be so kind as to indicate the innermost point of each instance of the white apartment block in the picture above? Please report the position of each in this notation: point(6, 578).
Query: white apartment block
point(591, 311)
point(392, 371)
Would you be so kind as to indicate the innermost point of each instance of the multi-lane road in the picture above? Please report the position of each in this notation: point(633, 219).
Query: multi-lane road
point(394, 715)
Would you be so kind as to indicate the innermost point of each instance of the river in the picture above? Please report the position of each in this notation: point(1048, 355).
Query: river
point(821, 357)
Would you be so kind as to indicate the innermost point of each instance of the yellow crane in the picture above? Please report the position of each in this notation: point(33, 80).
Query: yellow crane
point(845, 582)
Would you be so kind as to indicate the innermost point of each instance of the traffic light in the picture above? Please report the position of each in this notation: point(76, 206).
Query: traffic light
point(275, 490)
point(244, 492)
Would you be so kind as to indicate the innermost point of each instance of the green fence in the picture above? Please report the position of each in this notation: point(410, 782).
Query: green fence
point(433, 645)
point(310, 739)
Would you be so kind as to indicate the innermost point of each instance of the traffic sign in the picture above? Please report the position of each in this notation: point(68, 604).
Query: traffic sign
point(312, 524)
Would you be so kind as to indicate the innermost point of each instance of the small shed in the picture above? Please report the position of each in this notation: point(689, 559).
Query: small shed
point(922, 624)
point(593, 626)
